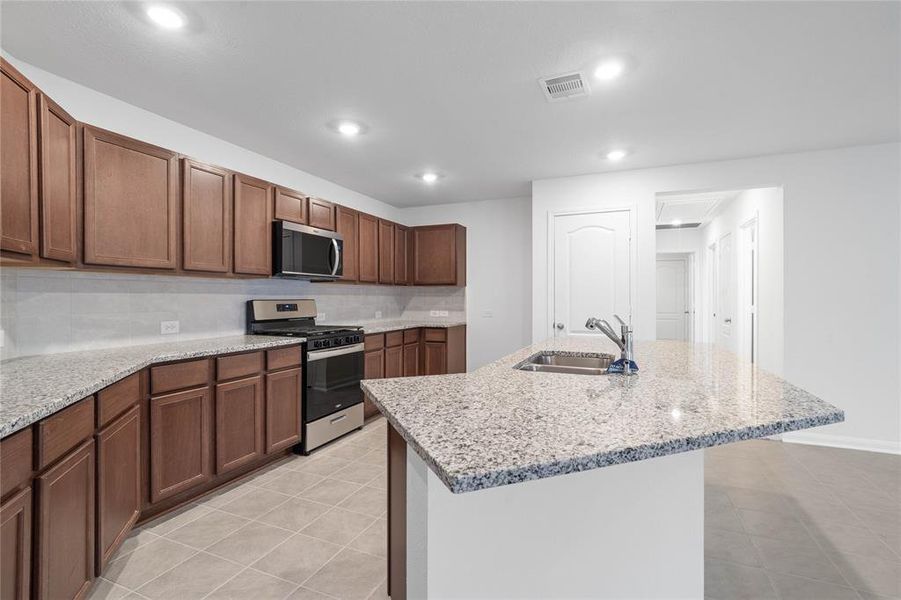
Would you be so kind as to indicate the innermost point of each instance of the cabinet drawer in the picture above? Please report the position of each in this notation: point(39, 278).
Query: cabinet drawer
point(374, 342)
point(117, 398)
point(395, 338)
point(411, 336)
point(178, 376)
point(63, 431)
point(16, 464)
point(283, 358)
point(436, 335)
point(239, 365)
point(328, 428)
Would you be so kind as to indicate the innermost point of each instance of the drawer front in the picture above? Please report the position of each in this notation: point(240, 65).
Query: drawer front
point(395, 338)
point(117, 398)
point(239, 365)
point(411, 336)
point(436, 335)
point(374, 342)
point(328, 428)
point(63, 431)
point(16, 464)
point(179, 376)
point(283, 358)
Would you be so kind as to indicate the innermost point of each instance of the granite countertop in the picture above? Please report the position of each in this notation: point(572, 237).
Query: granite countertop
point(498, 425)
point(385, 325)
point(33, 387)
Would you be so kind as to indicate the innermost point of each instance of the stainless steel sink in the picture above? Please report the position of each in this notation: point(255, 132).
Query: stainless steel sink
point(551, 362)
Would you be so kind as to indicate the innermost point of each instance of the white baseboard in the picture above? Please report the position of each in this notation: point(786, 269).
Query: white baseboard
point(842, 441)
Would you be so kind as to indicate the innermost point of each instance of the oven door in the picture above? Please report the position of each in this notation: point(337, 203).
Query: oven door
point(306, 252)
point(332, 380)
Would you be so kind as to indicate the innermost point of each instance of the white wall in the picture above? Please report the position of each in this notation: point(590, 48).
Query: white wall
point(498, 278)
point(678, 240)
point(841, 268)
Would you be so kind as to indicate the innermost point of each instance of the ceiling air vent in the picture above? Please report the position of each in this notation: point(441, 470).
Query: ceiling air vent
point(564, 87)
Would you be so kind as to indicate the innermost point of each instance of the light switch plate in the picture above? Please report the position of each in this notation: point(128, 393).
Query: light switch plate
point(487, 314)
point(321, 317)
point(442, 313)
point(434, 313)
point(168, 327)
point(378, 314)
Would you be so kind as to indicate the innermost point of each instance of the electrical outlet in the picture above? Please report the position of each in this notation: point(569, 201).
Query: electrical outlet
point(378, 314)
point(168, 327)
point(442, 313)
point(321, 317)
point(434, 313)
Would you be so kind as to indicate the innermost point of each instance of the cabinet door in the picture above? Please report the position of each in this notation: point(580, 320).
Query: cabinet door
point(290, 205)
point(411, 360)
point(253, 226)
point(206, 217)
point(180, 439)
point(118, 483)
point(18, 162)
point(439, 255)
point(239, 423)
point(401, 276)
point(322, 214)
point(374, 364)
point(57, 189)
point(15, 547)
point(346, 223)
point(369, 248)
point(386, 252)
point(283, 390)
point(434, 358)
point(130, 202)
point(394, 361)
point(65, 526)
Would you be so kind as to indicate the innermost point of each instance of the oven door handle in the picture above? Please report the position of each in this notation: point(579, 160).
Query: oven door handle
point(314, 355)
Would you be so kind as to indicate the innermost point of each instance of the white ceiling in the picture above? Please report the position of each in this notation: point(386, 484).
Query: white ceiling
point(452, 86)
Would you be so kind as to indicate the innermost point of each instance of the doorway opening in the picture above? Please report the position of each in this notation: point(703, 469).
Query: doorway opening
point(720, 260)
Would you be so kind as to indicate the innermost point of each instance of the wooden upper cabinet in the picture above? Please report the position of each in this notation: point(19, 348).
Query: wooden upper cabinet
point(18, 162)
point(368, 249)
point(130, 202)
point(347, 224)
point(290, 205)
point(206, 217)
point(386, 251)
point(58, 195)
point(322, 214)
point(401, 272)
point(439, 255)
point(253, 226)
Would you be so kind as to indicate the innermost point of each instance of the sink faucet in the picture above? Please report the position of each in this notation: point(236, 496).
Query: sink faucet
point(624, 341)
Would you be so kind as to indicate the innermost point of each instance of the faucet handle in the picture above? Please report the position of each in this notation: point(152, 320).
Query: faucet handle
point(622, 323)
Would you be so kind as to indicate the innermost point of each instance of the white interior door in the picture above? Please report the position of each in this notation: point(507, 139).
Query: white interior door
point(748, 284)
point(726, 280)
point(672, 298)
point(592, 269)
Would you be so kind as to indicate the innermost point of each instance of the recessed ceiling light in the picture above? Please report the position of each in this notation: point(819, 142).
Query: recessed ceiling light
point(676, 222)
point(615, 155)
point(349, 128)
point(165, 17)
point(429, 177)
point(609, 69)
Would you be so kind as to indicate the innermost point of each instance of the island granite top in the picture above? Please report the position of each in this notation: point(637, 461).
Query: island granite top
point(33, 387)
point(498, 425)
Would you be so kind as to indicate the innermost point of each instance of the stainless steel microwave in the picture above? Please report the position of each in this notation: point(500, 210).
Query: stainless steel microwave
point(303, 252)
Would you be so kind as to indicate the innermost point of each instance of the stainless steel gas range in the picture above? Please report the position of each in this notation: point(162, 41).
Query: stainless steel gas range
point(331, 400)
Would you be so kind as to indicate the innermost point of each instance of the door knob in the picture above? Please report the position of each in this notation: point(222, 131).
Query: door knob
point(559, 325)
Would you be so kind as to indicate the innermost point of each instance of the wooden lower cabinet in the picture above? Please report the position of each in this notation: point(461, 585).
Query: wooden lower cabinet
point(180, 442)
point(239, 423)
point(283, 390)
point(394, 361)
point(64, 554)
point(434, 360)
point(373, 368)
point(444, 350)
point(118, 483)
point(411, 359)
point(15, 547)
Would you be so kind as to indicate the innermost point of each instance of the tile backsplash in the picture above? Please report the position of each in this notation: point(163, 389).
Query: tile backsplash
point(44, 311)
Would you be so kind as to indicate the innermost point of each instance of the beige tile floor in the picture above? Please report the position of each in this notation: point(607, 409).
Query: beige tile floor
point(782, 521)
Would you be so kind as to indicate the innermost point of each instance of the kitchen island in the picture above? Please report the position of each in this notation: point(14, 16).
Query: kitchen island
point(460, 528)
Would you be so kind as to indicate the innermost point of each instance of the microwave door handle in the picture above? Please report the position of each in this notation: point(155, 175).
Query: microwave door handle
point(337, 256)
